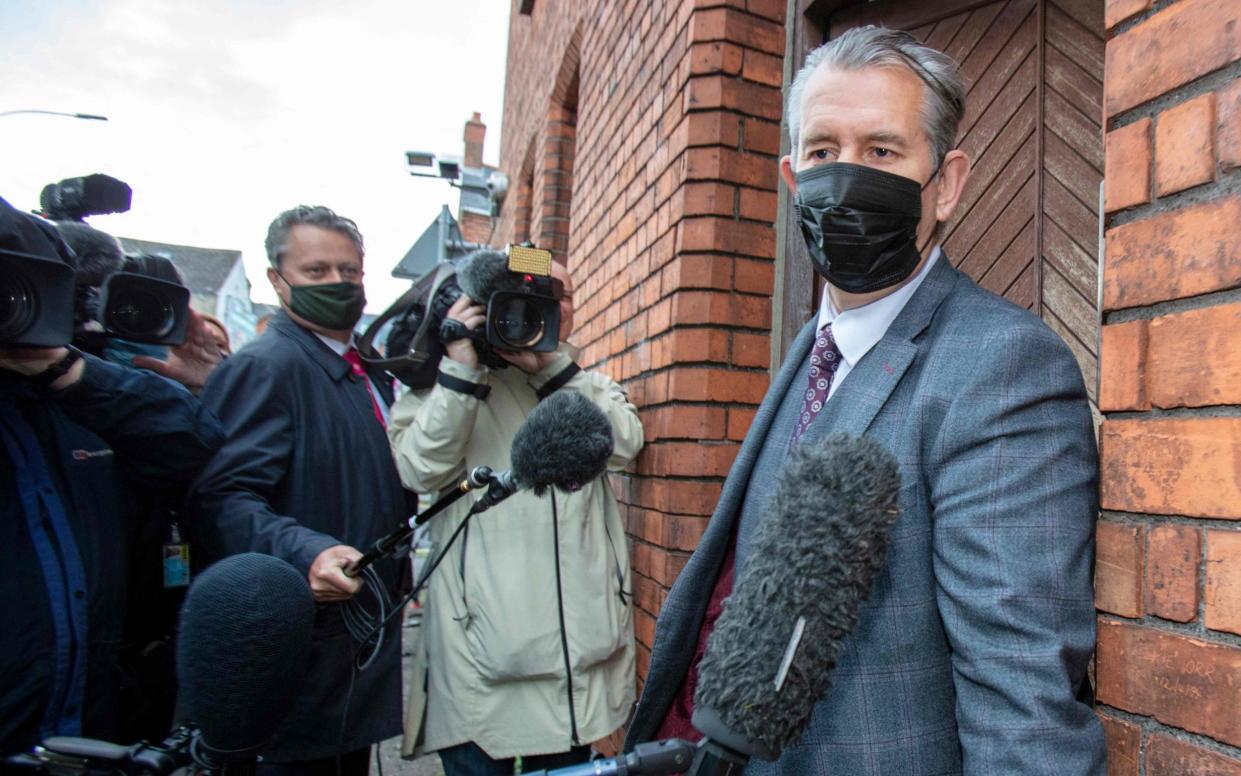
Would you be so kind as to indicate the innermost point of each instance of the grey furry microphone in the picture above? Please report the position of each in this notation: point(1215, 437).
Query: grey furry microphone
point(566, 441)
point(769, 659)
point(484, 272)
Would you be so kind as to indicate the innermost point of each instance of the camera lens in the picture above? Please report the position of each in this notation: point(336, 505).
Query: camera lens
point(518, 322)
point(18, 306)
point(138, 313)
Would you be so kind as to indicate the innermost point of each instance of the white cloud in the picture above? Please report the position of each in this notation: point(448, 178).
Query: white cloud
point(225, 112)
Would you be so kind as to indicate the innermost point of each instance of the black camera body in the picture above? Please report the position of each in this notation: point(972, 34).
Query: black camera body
point(523, 310)
point(145, 302)
point(36, 301)
point(523, 313)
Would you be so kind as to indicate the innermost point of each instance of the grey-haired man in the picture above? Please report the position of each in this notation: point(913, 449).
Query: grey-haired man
point(969, 655)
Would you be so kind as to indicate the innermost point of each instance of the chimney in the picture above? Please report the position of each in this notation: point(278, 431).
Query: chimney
point(475, 131)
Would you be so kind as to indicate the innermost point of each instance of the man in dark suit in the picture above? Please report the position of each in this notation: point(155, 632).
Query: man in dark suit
point(969, 654)
point(307, 476)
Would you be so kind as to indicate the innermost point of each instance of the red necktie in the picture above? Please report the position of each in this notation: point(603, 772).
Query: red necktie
point(355, 365)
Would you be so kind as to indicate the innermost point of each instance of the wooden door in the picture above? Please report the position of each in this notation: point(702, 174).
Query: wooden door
point(1028, 226)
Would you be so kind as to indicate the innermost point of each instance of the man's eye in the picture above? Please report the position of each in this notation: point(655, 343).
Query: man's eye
point(820, 154)
point(883, 153)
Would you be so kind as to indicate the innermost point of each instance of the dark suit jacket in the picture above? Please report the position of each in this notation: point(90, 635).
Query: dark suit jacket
point(306, 466)
point(976, 637)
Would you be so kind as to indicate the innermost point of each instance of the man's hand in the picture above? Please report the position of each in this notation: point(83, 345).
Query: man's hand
point(327, 574)
point(471, 315)
point(191, 362)
point(32, 361)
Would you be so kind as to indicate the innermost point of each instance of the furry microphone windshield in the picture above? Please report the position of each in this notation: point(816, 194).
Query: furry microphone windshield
point(96, 254)
point(565, 442)
point(810, 566)
point(484, 272)
point(244, 644)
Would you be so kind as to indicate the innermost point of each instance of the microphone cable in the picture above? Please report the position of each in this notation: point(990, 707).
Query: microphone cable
point(360, 617)
point(366, 626)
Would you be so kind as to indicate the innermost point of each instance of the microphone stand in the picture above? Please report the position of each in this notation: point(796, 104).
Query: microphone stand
point(663, 758)
point(499, 486)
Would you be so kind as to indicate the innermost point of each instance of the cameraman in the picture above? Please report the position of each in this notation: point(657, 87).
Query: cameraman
point(80, 439)
point(529, 626)
point(159, 568)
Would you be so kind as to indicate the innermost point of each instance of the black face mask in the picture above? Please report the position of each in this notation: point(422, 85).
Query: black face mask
point(860, 225)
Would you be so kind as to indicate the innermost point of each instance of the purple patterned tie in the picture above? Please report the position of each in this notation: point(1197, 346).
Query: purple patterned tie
point(824, 361)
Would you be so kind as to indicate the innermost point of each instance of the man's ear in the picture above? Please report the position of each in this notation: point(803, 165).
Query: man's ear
point(277, 283)
point(953, 174)
point(786, 172)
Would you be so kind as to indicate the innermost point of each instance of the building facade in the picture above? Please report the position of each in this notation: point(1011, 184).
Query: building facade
point(641, 141)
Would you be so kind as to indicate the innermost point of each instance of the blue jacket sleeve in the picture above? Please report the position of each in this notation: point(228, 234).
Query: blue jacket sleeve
point(1013, 487)
point(161, 433)
point(232, 501)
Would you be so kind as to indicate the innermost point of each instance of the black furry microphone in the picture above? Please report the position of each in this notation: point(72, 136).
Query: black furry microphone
point(245, 640)
point(96, 254)
point(811, 564)
point(566, 441)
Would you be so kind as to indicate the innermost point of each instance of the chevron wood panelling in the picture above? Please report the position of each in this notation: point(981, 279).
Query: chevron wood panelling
point(1073, 169)
point(1027, 227)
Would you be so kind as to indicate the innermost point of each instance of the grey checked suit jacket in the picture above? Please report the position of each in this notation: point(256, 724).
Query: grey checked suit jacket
point(976, 637)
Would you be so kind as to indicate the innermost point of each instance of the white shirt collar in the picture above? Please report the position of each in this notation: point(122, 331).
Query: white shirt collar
point(338, 347)
point(858, 330)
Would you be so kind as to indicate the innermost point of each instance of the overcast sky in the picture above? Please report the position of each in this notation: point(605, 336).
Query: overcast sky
point(222, 113)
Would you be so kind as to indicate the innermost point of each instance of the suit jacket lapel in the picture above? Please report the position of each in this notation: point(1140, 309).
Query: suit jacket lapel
point(872, 380)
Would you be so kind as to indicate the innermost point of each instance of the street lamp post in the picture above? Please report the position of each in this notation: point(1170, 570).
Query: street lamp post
point(88, 116)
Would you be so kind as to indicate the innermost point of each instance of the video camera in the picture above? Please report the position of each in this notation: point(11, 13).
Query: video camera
point(523, 313)
point(145, 302)
point(36, 301)
point(523, 308)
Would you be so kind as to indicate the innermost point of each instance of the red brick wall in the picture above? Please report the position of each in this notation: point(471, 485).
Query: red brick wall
point(1168, 578)
point(670, 159)
point(475, 227)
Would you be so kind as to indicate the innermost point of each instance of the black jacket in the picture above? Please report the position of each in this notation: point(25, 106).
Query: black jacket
point(115, 434)
point(306, 466)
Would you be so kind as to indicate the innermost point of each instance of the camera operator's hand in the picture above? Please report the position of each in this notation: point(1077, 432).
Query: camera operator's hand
point(327, 576)
point(33, 361)
point(528, 361)
point(471, 315)
point(191, 362)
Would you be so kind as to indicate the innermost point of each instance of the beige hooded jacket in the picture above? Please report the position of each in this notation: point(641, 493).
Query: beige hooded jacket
point(491, 636)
